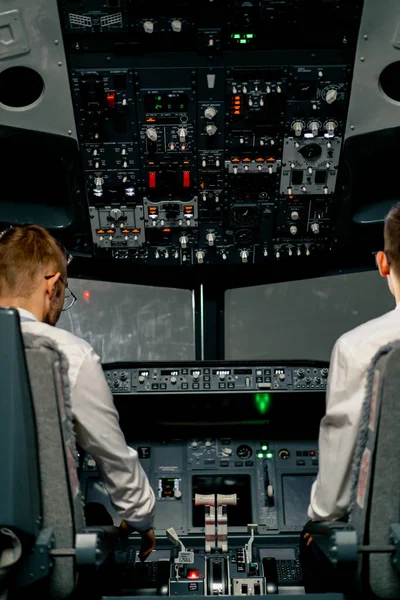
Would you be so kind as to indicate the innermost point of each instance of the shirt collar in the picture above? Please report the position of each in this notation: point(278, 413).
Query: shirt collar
point(26, 314)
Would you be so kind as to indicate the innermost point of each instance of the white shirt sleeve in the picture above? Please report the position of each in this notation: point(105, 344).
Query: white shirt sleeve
point(98, 432)
point(330, 493)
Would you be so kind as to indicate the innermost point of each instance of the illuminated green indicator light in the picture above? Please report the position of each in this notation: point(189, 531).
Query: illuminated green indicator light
point(269, 455)
point(264, 448)
point(243, 41)
point(236, 36)
point(260, 455)
point(262, 402)
point(249, 36)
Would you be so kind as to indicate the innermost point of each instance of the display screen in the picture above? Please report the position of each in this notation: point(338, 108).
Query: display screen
point(278, 553)
point(296, 498)
point(239, 515)
point(279, 371)
point(222, 412)
point(166, 103)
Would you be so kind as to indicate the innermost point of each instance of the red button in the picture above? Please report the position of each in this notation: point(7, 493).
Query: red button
point(193, 575)
point(111, 99)
point(152, 179)
point(186, 179)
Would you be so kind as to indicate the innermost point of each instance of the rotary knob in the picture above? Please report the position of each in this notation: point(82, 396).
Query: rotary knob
point(116, 214)
point(148, 26)
point(297, 128)
point(293, 229)
point(208, 444)
point(315, 228)
point(227, 451)
point(91, 463)
point(183, 240)
point(210, 112)
point(182, 134)
point(324, 372)
point(294, 215)
point(98, 182)
point(300, 373)
point(178, 494)
point(284, 454)
point(211, 129)
point(176, 25)
point(244, 255)
point(194, 444)
point(173, 380)
point(330, 127)
point(331, 96)
point(151, 134)
point(314, 128)
point(210, 237)
point(141, 379)
point(200, 256)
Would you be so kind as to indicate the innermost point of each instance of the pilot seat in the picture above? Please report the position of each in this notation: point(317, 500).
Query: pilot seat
point(44, 543)
point(369, 543)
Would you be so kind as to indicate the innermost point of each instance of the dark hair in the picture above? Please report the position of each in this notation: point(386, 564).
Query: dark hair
point(25, 251)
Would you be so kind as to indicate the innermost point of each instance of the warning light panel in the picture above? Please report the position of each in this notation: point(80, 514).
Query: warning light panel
point(111, 100)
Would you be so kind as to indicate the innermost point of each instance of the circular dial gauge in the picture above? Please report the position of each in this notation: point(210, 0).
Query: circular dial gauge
point(244, 451)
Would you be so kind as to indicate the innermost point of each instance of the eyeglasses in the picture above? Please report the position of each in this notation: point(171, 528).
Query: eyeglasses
point(69, 298)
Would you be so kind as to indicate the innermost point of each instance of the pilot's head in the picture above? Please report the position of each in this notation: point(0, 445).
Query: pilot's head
point(33, 272)
point(388, 260)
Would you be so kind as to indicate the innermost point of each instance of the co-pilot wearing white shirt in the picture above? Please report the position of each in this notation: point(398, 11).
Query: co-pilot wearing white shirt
point(33, 279)
point(351, 358)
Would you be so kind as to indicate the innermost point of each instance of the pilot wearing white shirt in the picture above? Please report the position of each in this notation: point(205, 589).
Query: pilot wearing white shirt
point(350, 361)
point(33, 279)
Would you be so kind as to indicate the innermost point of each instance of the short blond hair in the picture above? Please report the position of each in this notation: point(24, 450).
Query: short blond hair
point(25, 251)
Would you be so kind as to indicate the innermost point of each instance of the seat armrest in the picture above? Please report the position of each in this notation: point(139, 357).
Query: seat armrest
point(337, 540)
point(324, 527)
point(94, 544)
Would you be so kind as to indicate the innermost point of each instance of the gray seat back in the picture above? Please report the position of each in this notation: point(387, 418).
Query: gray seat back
point(38, 479)
point(61, 498)
point(20, 502)
point(376, 469)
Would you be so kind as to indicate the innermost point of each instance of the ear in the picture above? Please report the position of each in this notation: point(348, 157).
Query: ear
point(382, 263)
point(51, 285)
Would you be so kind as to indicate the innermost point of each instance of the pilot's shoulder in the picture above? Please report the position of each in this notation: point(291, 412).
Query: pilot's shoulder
point(67, 341)
point(374, 333)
